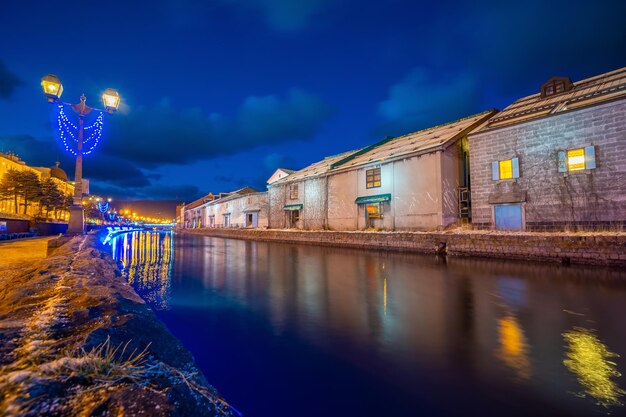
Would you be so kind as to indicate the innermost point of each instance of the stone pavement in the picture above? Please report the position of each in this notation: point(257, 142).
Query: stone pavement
point(18, 256)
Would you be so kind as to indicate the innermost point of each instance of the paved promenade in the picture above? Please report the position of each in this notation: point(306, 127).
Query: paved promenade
point(17, 255)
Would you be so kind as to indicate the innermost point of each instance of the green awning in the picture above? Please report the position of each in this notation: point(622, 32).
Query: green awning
point(292, 207)
point(380, 198)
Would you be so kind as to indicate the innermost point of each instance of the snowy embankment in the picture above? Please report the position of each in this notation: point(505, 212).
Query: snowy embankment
point(77, 340)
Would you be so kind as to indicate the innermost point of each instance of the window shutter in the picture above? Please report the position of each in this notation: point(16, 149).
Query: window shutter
point(590, 157)
point(515, 164)
point(495, 171)
point(562, 162)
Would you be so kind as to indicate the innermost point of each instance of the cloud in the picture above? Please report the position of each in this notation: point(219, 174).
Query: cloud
point(153, 192)
point(274, 161)
point(423, 99)
point(162, 135)
point(40, 152)
point(284, 15)
point(8, 82)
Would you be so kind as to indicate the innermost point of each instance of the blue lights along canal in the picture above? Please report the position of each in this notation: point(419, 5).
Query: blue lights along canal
point(290, 330)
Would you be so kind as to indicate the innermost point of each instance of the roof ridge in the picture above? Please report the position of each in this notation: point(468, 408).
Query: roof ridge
point(577, 85)
point(565, 99)
point(388, 139)
point(448, 123)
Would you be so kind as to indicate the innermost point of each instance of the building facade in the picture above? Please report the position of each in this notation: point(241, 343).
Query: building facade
point(58, 176)
point(300, 200)
point(415, 181)
point(245, 207)
point(242, 208)
point(555, 159)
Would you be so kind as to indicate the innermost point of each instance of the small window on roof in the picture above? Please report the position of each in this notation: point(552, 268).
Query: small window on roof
point(556, 85)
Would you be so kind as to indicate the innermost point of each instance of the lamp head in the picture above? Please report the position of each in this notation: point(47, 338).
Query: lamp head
point(52, 87)
point(111, 99)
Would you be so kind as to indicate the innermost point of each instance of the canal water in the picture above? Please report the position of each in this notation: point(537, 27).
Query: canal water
point(298, 331)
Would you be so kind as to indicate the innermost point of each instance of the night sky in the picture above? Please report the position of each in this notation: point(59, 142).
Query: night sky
point(218, 94)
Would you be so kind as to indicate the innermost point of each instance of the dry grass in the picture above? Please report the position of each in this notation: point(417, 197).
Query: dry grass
point(104, 367)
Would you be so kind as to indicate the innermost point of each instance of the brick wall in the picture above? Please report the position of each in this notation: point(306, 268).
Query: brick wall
point(588, 198)
point(606, 250)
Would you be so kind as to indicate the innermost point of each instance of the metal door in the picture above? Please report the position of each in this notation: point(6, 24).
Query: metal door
point(508, 216)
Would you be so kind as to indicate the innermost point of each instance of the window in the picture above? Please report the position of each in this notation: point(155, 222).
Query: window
point(577, 159)
point(374, 211)
point(293, 191)
point(373, 178)
point(505, 170)
point(556, 85)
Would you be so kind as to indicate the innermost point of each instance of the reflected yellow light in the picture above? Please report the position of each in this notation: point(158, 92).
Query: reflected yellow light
point(513, 347)
point(588, 358)
point(148, 262)
point(385, 294)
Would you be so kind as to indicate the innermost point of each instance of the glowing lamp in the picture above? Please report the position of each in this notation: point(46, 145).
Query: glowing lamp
point(52, 87)
point(111, 99)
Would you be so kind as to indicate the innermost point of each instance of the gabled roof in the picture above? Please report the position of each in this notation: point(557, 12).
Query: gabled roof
point(210, 198)
point(200, 201)
point(586, 92)
point(416, 143)
point(313, 170)
point(278, 174)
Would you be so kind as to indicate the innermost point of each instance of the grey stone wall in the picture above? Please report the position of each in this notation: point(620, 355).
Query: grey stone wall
point(276, 199)
point(583, 199)
point(606, 250)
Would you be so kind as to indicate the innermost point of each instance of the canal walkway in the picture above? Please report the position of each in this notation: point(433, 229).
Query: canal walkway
point(19, 256)
point(75, 339)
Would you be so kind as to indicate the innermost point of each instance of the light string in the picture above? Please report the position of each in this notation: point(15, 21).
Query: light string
point(103, 207)
point(69, 129)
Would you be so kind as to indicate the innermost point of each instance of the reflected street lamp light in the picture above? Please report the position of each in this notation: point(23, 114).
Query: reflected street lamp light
point(52, 89)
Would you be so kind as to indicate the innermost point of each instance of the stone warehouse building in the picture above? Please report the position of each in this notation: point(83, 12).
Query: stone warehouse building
point(299, 200)
point(245, 207)
point(554, 159)
point(415, 181)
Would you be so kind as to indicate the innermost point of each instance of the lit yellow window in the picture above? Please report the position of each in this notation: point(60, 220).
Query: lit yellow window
point(506, 169)
point(576, 159)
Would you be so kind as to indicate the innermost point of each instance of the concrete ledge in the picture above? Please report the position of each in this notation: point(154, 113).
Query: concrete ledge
point(62, 318)
point(607, 249)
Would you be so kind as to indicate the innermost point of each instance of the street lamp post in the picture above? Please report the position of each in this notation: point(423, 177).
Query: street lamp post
point(53, 89)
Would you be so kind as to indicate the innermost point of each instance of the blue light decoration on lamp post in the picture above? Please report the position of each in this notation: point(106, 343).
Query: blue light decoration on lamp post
point(78, 140)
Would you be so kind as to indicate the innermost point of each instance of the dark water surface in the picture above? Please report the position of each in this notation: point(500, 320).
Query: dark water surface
point(298, 331)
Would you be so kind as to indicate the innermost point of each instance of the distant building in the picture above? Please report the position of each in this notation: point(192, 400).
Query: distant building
point(10, 161)
point(193, 213)
point(415, 181)
point(245, 207)
point(554, 159)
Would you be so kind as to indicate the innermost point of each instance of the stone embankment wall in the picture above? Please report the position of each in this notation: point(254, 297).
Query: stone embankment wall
point(607, 249)
point(70, 325)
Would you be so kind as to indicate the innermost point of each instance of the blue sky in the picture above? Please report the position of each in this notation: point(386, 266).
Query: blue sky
point(218, 94)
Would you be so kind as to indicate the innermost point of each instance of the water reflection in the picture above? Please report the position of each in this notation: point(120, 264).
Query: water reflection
point(589, 359)
point(513, 347)
point(146, 260)
point(385, 333)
